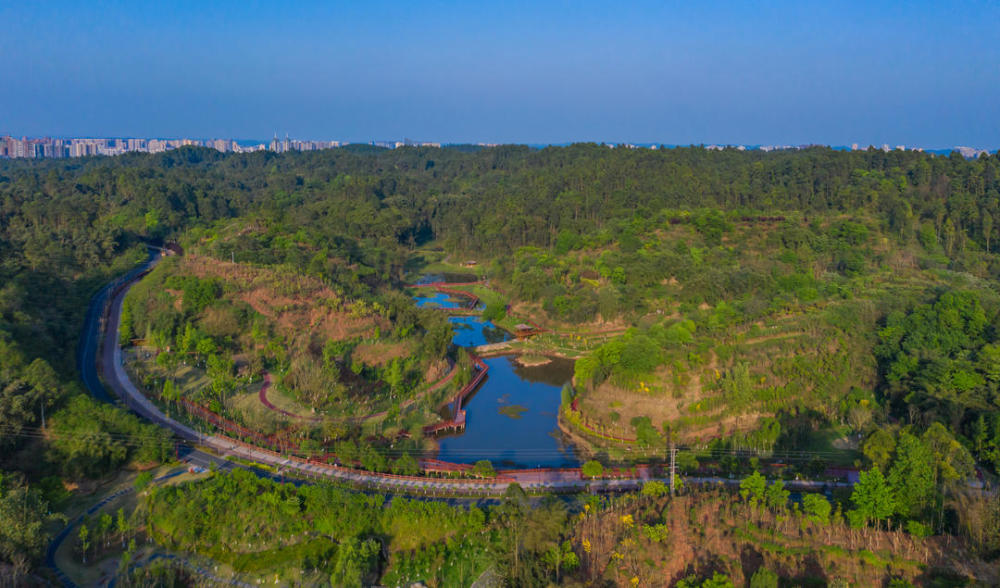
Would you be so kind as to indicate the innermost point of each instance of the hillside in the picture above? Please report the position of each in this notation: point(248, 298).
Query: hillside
point(801, 308)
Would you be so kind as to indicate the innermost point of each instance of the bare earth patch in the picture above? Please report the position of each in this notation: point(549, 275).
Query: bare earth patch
point(299, 305)
point(379, 354)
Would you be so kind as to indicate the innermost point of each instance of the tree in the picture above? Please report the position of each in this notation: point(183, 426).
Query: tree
point(764, 578)
point(657, 533)
point(592, 469)
point(23, 514)
point(987, 220)
point(355, 559)
point(645, 433)
point(753, 488)
point(84, 536)
point(716, 581)
point(484, 469)
point(911, 476)
point(126, 559)
point(561, 556)
point(406, 465)
point(655, 489)
point(394, 375)
point(816, 508)
point(104, 524)
point(122, 525)
point(879, 447)
point(872, 498)
point(512, 512)
point(952, 461)
point(777, 496)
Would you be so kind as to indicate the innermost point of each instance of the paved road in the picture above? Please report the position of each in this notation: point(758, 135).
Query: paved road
point(87, 348)
point(50, 552)
point(119, 382)
point(111, 359)
point(223, 448)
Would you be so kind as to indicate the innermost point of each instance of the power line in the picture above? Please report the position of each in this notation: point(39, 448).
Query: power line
point(498, 454)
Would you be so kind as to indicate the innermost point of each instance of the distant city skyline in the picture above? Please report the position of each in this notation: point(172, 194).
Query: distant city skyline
point(782, 72)
point(66, 147)
point(244, 144)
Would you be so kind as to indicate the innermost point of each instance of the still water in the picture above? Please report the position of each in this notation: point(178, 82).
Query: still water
point(436, 300)
point(512, 419)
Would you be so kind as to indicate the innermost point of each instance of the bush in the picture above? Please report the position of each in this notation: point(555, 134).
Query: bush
point(143, 480)
point(764, 578)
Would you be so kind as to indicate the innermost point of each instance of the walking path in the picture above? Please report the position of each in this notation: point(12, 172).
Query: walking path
point(50, 552)
point(262, 396)
point(126, 390)
point(559, 480)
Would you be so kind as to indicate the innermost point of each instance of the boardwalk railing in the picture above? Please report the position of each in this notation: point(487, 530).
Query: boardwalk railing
point(457, 422)
point(454, 288)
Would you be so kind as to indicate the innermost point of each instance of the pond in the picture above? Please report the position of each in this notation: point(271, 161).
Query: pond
point(511, 419)
point(472, 331)
point(431, 299)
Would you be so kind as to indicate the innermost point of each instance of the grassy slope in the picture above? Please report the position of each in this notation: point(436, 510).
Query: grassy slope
point(805, 350)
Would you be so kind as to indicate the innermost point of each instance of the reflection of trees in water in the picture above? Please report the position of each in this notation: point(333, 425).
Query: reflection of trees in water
point(487, 331)
point(493, 334)
point(430, 278)
point(446, 277)
point(564, 447)
point(436, 300)
point(556, 373)
point(461, 326)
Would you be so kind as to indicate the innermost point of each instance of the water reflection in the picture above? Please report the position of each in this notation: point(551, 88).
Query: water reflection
point(437, 300)
point(447, 277)
point(511, 419)
point(531, 440)
point(472, 331)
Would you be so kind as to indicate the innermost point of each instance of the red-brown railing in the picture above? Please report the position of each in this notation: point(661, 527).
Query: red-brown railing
point(457, 422)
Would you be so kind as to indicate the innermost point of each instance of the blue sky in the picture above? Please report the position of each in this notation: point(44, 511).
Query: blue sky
point(914, 73)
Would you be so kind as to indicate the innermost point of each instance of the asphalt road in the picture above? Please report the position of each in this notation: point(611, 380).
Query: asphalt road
point(111, 362)
point(87, 348)
point(222, 448)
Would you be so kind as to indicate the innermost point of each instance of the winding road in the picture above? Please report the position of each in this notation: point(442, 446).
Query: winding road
point(110, 357)
point(222, 448)
point(99, 346)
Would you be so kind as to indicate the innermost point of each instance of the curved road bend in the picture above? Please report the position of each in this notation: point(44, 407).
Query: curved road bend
point(87, 348)
point(118, 380)
point(111, 361)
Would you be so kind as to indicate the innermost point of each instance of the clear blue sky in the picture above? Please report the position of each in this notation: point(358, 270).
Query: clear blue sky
point(915, 73)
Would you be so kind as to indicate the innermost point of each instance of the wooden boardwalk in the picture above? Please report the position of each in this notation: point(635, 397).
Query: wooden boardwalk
point(457, 422)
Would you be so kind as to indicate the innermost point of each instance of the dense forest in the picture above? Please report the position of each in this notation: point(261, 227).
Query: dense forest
point(814, 289)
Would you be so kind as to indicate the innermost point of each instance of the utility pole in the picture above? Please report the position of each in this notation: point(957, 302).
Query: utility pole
point(673, 466)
